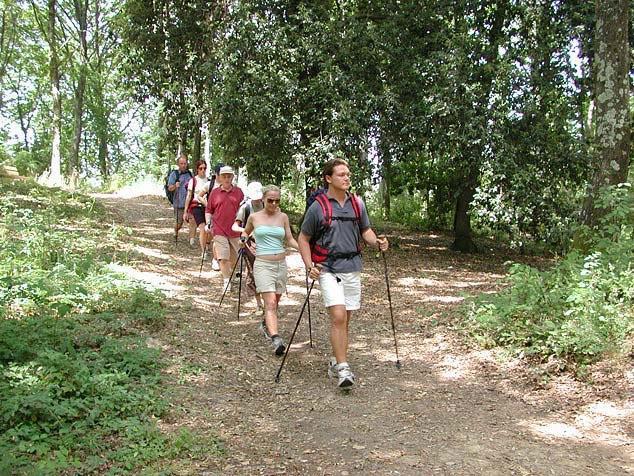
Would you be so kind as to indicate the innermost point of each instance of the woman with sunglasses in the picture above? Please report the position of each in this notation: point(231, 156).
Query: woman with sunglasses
point(196, 201)
point(271, 228)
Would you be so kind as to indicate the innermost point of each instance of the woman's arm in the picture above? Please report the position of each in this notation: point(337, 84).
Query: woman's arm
point(190, 196)
point(290, 241)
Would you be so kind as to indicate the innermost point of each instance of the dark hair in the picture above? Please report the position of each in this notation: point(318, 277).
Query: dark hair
point(329, 167)
point(200, 162)
point(219, 165)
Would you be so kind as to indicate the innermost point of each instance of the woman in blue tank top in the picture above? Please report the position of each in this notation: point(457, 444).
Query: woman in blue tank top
point(270, 228)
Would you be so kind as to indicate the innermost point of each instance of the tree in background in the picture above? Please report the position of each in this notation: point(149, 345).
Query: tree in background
point(611, 158)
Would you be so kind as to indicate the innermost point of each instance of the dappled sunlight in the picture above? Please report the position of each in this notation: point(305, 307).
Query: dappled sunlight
point(602, 421)
point(446, 399)
point(452, 368)
point(154, 280)
point(151, 252)
point(443, 299)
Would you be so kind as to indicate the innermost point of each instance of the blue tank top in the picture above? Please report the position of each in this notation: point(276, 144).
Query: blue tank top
point(269, 239)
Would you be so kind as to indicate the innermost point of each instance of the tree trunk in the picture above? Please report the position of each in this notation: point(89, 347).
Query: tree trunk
point(612, 135)
point(99, 107)
point(55, 177)
point(387, 185)
point(81, 14)
point(463, 240)
point(196, 152)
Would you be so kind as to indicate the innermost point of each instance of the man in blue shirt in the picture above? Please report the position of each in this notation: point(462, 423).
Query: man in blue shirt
point(177, 183)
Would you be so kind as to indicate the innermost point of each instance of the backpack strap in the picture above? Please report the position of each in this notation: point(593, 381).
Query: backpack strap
point(248, 209)
point(356, 206)
point(326, 208)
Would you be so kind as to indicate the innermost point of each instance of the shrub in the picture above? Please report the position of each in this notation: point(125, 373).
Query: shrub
point(579, 310)
point(80, 389)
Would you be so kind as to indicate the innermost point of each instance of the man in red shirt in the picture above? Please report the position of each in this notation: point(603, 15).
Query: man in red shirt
point(220, 213)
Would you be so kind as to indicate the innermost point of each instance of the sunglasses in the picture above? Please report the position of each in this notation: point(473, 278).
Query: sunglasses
point(202, 167)
point(272, 200)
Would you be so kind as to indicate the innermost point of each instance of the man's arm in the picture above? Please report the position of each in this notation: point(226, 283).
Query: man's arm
point(209, 212)
point(172, 184)
point(303, 241)
point(371, 239)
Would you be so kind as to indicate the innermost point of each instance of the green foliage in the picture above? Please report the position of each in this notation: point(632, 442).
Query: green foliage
point(406, 209)
point(579, 310)
point(80, 388)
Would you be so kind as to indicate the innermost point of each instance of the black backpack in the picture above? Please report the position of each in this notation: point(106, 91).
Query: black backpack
point(168, 194)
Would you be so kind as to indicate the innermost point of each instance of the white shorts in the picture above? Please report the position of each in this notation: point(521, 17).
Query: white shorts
point(343, 289)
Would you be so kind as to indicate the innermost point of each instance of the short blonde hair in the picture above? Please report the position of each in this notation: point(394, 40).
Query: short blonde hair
point(270, 188)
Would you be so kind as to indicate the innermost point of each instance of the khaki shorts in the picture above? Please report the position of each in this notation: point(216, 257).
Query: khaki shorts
point(343, 289)
point(226, 248)
point(270, 276)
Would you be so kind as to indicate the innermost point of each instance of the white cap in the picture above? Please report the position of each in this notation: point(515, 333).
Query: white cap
point(226, 170)
point(254, 191)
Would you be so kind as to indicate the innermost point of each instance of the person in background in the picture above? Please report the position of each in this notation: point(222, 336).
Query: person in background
point(212, 184)
point(220, 214)
point(177, 183)
point(252, 204)
point(270, 228)
point(196, 202)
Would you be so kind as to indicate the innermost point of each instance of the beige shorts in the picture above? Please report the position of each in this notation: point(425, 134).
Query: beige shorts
point(270, 276)
point(343, 289)
point(226, 248)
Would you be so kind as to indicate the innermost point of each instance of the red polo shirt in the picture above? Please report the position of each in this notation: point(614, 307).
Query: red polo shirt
point(223, 206)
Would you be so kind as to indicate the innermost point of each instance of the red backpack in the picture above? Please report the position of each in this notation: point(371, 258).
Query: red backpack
point(320, 253)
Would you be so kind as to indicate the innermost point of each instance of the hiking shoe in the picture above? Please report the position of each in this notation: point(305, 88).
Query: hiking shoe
point(343, 373)
point(262, 328)
point(278, 345)
point(214, 265)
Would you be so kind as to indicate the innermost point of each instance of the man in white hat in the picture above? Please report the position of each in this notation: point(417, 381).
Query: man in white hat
point(222, 206)
point(253, 203)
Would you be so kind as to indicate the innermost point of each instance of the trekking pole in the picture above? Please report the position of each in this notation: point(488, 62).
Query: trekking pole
point(229, 282)
point(389, 298)
point(202, 260)
point(241, 258)
point(288, 347)
point(310, 325)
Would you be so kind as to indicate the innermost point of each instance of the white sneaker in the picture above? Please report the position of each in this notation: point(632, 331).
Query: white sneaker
point(192, 241)
point(214, 265)
point(226, 285)
point(342, 372)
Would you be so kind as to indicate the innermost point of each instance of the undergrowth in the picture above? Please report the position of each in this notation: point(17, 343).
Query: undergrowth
point(80, 388)
point(581, 309)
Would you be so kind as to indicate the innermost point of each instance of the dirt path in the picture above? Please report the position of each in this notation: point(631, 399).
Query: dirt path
point(449, 410)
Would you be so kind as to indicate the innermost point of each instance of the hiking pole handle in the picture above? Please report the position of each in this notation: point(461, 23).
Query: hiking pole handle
point(288, 347)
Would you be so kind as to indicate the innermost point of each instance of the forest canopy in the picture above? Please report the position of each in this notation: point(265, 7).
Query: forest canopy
point(488, 114)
